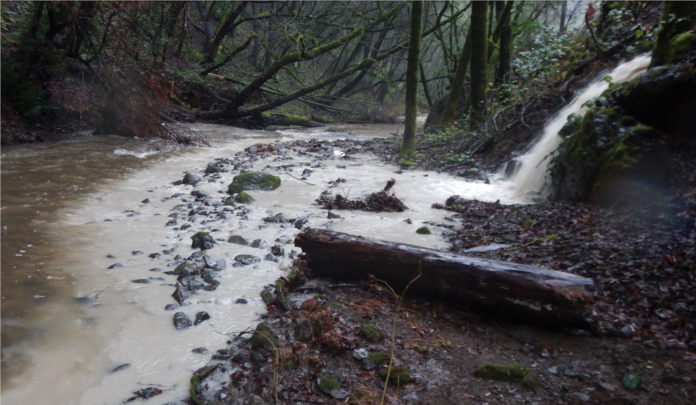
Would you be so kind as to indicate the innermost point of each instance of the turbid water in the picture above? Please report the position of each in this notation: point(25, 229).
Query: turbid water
point(73, 208)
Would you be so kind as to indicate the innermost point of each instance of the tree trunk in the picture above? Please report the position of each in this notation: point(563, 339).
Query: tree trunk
point(505, 52)
point(682, 10)
point(479, 59)
point(408, 147)
point(564, 11)
point(458, 83)
point(531, 293)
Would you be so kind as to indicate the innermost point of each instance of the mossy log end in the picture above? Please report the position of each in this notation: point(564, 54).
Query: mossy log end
point(529, 293)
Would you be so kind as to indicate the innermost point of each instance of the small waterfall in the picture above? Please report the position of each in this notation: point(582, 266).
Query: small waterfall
point(531, 176)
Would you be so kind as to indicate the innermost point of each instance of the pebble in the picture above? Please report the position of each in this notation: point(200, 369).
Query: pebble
point(581, 396)
point(200, 350)
point(359, 354)
point(241, 301)
point(115, 266)
point(181, 321)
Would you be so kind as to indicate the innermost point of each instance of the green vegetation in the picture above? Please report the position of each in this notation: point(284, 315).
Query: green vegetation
point(371, 333)
point(243, 198)
point(253, 181)
point(378, 358)
point(397, 375)
point(515, 373)
point(423, 230)
point(328, 383)
point(263, 338)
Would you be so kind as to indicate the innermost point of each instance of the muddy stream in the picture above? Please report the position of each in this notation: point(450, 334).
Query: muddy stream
point(73, 208)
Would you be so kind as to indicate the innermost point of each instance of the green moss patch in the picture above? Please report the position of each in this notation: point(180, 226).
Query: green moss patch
point(516, 373)
point(423, 230)
point(378, 358)
point(371, 333)
point(328, 383)
point(243, 198)
point(263, 338)
point(679, 44)
point(253, 181)
point(398, 375)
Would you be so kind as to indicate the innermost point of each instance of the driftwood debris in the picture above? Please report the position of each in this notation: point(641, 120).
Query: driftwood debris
point(529, 293)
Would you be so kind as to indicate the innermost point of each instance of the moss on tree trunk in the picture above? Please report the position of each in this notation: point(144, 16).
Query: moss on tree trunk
point(458, 83)
point(684, 15)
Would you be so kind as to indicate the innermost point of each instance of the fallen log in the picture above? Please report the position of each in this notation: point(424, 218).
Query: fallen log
point(532, 293)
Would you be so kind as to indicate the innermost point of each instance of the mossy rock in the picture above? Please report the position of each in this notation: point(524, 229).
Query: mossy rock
point(243, 198)
point(193, 391)
point(202, 240)
point(516, 373)
point(328, 383)
point(423, 230)
point(358, 397)
point(374, 360)
point(679, 45)
point(263, 338)
point(253, 181)
point(371, 333)
point(398, 376)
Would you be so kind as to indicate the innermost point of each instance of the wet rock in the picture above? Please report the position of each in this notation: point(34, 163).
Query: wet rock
point(181, 321)
point(246, 260)
point(172, 222)
point(303, 331)
point(202, 240)
point(154, 255)
point(275, 219)
point(253, 181)
point(270, 257)
point(221, 264)
point(170, 307)
point(628, 331)
point(333, 215)
point(339, 394)
point(259, 244)
point(145, 201)
point(200, 350)
point(553, 370)
point(208, 274)
point(581, 396)
point(121, 367)
point(423, 230)
point(141, 281)
point(201, 317)
point(301, 222)
point(181, 295)
point(239, 240)
point(243, 198)
point(359, 354)
point(199, 194)
point(115, 266)
point(191, 179)
point(212, 286)
point(241, 301)
point(212, 168)
point(277, 250)
point(156, 269)
point(606, 387)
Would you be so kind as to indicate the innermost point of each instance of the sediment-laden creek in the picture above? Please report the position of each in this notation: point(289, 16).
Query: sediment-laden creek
point(77, 332)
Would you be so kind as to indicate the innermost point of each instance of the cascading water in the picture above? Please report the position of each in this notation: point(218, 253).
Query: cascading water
point(531, 177)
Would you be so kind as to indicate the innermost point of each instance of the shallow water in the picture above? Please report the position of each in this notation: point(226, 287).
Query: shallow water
point(67, 206)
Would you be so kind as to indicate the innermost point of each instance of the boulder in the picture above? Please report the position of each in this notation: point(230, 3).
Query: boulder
point(202, 240)
point(253, 181)
point(191, 179)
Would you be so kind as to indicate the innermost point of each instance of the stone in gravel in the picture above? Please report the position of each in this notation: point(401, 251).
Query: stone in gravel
point(221, 264)
point(545, 353)
point(185, 226)
point(339, 394)
point(110, 256)
point(259, 244)
point(332, 215)
point(359, 354)
point(212, 285)
point(181, 321)
point(156, 269)
point(137, 252)
point(278, 250)
point(141, 281)
point(145, 201)
point(270, 257)
point(275, 219)
point(253, 181)
point(115, 266)
point(191, 178)
point(121, 367)
point(581, 396)
point(553, 370)
point(170, 307)
point(181, 295)
point(604, 386)
point(200, 350)
point(239, 240)
point(172, 222)
point(301, 222)
point(200, 317)
point(202, 240)
point(154, 255)
point(199, 194)
point(246, 260)
point(208, 274)
point(241, 301)
point(243, 198)
point(628, 331)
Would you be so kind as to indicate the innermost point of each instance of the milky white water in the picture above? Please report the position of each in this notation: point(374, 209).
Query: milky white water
point(63, 350)
point(531, 177)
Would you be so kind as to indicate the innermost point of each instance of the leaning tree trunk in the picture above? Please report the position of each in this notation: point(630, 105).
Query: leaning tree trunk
point(458, 83)
point(408, 147)
point(530, 293)
point(479, 59)
point(505, 52)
